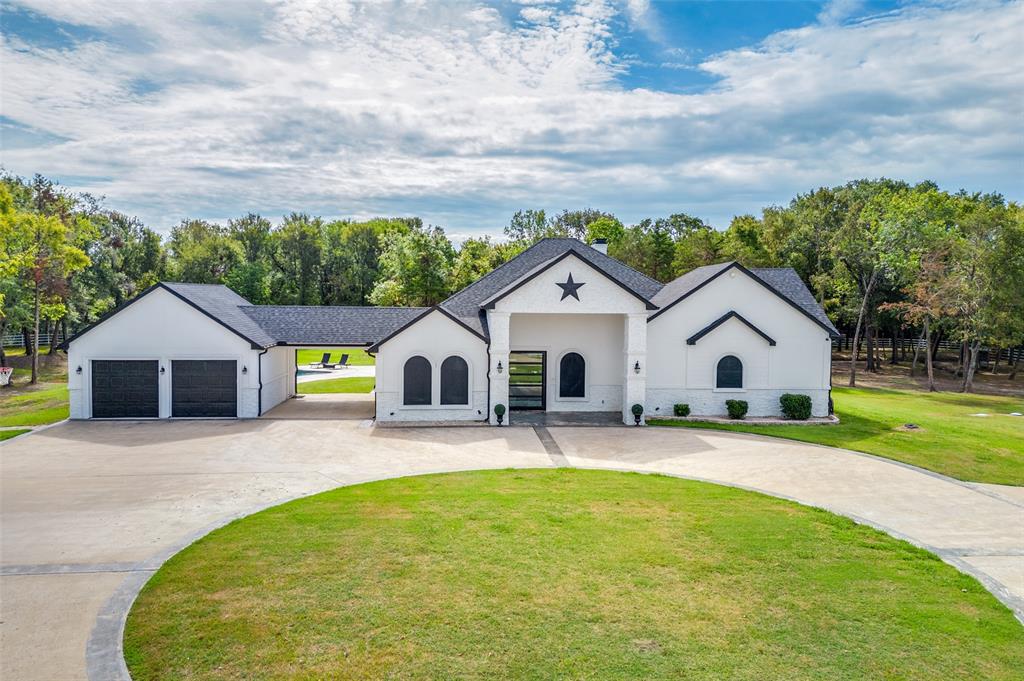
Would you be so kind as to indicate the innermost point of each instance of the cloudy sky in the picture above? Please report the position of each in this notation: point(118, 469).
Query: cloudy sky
point(463, 112)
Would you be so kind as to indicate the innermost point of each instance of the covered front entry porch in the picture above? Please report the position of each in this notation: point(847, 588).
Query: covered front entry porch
point(568, 369)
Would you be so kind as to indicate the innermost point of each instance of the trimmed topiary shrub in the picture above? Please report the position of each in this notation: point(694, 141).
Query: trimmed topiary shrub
point(737, 408)
point(681, 409)
point(499, 411)
point(796, 406)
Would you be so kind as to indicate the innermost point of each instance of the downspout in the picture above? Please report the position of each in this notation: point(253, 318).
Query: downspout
point(487, 416)
point(259, 377)
point(375, 377)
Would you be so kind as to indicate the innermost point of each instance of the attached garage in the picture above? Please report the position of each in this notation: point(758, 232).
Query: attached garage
point(125, 389)
point(204, 388)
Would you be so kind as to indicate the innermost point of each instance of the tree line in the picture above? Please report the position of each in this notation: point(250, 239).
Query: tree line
point(885, 258)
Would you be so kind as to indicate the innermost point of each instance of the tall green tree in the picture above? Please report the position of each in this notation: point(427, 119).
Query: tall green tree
point(297, 256)
point(415, 268)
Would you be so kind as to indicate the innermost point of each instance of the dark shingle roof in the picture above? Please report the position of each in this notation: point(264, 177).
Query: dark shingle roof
point(224, 306)
point(782, 280)
point(466, 304)
point(311, 325)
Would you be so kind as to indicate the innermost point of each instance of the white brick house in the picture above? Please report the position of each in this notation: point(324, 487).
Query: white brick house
point(560, 328)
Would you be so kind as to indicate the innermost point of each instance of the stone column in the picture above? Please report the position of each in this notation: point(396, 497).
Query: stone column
point(498, 328)
point(634, 387)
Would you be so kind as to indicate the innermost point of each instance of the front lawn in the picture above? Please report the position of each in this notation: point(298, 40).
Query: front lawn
point(950, 440)
point(356, 356)
point(8, 434)
point(347, 384)
point(561, 573)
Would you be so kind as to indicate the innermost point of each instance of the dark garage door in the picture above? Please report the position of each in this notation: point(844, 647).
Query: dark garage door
point(124, 389)
point(204, 387)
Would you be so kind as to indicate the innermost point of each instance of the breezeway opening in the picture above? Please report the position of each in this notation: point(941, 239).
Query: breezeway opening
point(329, 382)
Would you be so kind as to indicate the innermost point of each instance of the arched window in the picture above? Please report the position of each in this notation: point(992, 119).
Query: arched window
point(730, 373)
point(416, 377)
point(572, 376)
point(454, 381)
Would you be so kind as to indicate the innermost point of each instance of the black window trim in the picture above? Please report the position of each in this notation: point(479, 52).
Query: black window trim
point(469, 383)
point(585, 394)
point(718, 363)
point(430, 398)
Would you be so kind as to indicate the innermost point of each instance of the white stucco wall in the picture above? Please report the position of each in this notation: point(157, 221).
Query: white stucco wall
point(681, 373)
point(435, 337)
point(598, 337)
point(159, 327)
point(278, 376)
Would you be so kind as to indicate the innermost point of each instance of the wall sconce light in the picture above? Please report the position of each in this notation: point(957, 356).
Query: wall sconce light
point(163, 371)
point(245, 369)
point(636, 368)
point(500, 368)
point(78, 371)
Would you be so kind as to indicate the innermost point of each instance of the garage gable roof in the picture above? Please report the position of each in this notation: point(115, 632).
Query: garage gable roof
point(264, 326)
point(215, 301)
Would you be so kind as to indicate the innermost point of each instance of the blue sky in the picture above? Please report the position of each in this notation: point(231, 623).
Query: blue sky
point(463, 112)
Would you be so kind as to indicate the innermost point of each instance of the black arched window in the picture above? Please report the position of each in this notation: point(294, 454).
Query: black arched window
point(572, 376)
point(730, 373)
point(416, 381)
point(454, 381)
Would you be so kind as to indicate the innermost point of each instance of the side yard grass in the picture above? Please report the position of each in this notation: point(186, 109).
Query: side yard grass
point(23, 404)
point(8, 434)
point(347, 384)
point(950, 439)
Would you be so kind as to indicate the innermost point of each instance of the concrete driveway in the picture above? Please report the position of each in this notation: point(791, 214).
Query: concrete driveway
point(90, 509)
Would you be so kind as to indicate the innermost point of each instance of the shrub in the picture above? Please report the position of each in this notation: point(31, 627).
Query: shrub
point(499, 410)
point(681, 409)
point(637, 409)
point(796, 406)
point(737, 408)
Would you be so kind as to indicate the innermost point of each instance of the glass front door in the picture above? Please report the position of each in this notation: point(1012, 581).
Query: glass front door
point(526, 380)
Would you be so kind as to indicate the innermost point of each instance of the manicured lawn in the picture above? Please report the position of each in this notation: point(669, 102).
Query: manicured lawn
point(561, 573)
point(950, 440)
point(8, 434)
point(33, 405)
point(350, 384)
point(356, 356)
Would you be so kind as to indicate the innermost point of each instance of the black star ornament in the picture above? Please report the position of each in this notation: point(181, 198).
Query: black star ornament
point(569, 288)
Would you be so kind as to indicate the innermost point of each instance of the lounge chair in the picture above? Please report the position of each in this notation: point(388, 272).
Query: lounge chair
point(343, 363)
point(324, 363)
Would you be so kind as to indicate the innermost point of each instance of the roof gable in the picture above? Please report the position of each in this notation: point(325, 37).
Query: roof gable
point(783, 282)
point(216, 302)
point(530, 276)
point(423, 314)
point(466, 305)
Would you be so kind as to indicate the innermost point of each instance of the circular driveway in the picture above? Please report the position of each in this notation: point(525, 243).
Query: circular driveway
point(90, 509)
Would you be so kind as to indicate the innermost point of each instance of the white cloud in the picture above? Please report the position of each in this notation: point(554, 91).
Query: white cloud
point(456, 114)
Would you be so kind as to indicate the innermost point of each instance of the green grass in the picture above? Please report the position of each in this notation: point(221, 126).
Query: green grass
point(356, 356)
point(351, 384)
point(950, 440)
point(8, 434)
point(547, 574)
point(33, 405)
